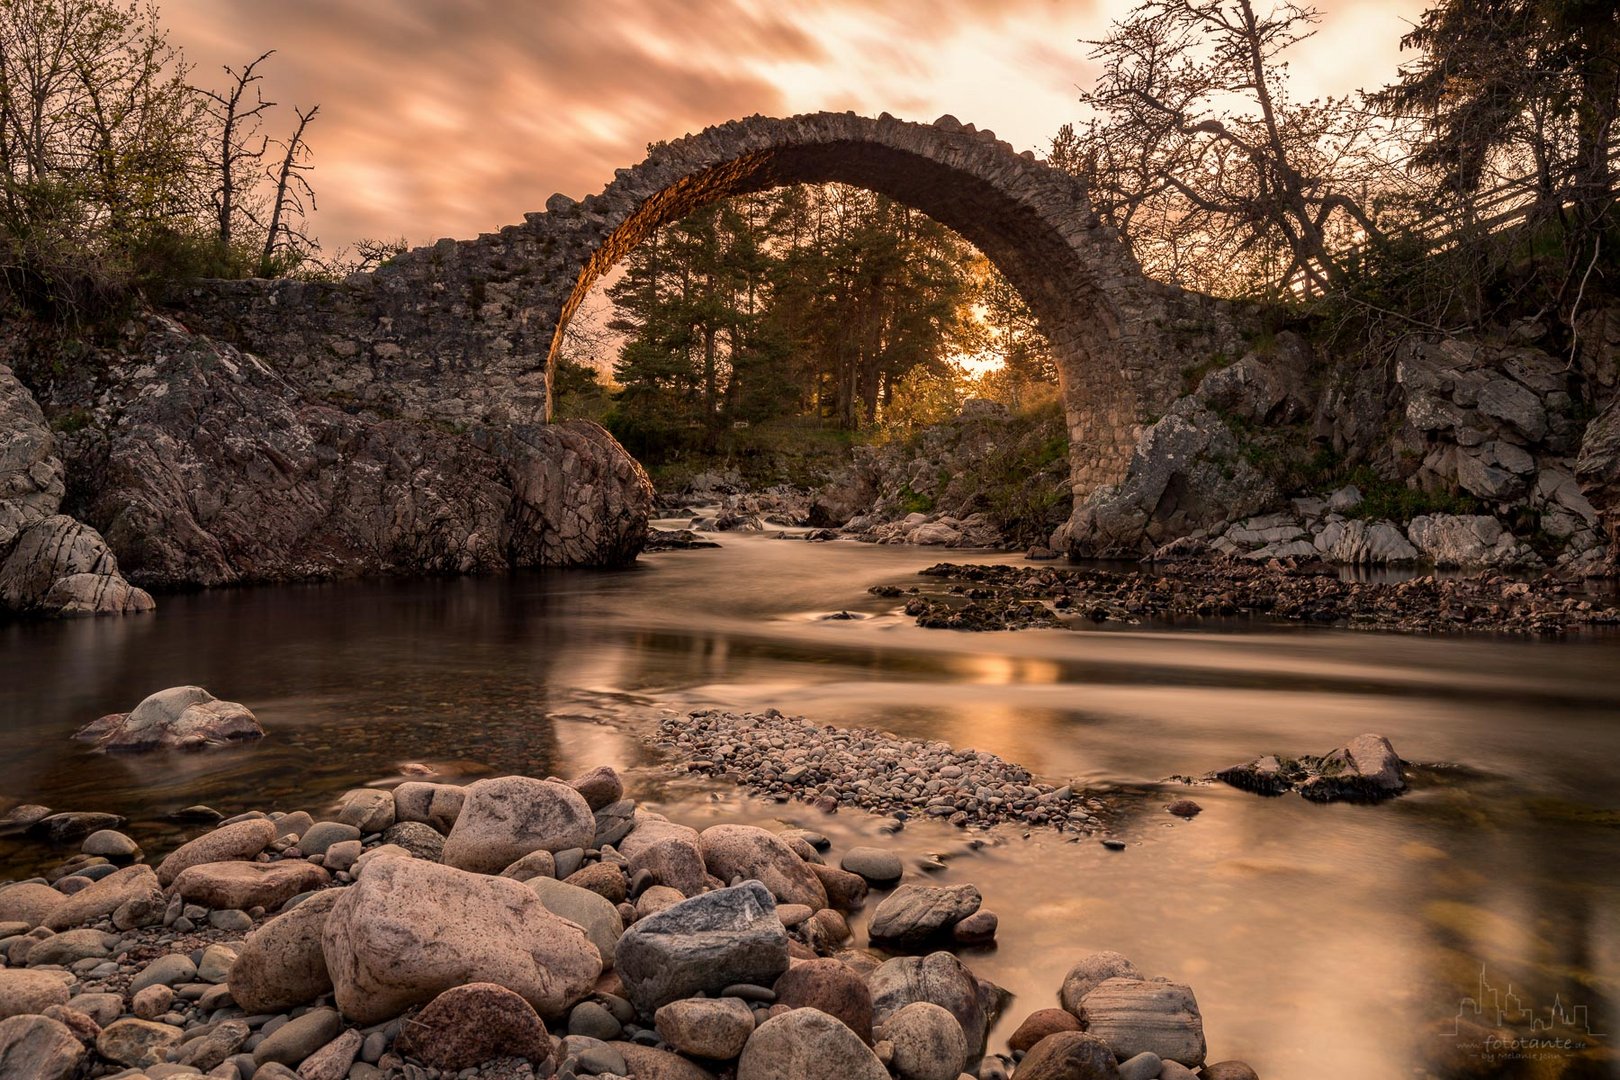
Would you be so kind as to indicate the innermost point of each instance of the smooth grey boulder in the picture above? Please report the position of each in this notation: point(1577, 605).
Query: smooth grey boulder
point(506, 817)
point(913, 914)
point(300, 1037)
point(1134, 1016)
point(878, 867)
point(702, 945)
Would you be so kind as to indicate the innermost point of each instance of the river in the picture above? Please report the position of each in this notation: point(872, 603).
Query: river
point(1335, 942)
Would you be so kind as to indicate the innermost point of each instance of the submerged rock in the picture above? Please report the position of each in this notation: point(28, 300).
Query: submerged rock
point(1366, 769)
point(181, 716)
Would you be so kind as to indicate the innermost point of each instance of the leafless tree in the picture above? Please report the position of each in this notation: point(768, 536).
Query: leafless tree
point(1197, 154)
point(237, 120)
point(292, 201)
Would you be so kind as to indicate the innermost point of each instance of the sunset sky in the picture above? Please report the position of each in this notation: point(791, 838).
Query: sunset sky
point(453, 118)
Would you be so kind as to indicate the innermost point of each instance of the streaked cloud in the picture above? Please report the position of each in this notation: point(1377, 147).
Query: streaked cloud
point(453, 117)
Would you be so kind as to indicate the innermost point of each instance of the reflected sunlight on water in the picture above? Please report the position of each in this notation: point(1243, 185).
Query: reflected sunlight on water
point(1322, 941)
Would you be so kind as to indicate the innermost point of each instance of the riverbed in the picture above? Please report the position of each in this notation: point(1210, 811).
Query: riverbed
point(1332, 941)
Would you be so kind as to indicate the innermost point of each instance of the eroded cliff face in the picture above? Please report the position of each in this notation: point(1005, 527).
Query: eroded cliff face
point(204, 465)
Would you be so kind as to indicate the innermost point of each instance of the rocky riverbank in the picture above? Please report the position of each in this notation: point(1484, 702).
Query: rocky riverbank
point(977, 597)
point(520, 928)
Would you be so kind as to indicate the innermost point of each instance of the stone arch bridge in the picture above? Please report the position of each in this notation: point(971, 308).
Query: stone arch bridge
point(464, 332)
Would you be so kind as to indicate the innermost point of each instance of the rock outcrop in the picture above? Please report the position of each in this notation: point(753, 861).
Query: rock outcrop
point(205, 465)
point(50, 564)
point(1598, 473)
point(1188, 473)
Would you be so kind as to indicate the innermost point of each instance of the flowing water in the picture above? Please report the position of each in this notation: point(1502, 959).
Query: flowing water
point(1328, 942)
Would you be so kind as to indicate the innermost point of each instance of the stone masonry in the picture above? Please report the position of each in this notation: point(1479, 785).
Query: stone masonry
point(463, 332)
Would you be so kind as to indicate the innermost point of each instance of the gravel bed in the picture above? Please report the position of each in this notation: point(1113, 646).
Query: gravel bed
point(790, 758)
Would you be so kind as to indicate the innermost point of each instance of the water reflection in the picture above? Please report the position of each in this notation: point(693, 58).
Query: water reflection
point(1322, 941)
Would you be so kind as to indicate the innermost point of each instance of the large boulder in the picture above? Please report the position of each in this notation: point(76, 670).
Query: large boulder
point(939, 978)
point(1186, 473)
point(59, 566)
point(241, 840)
point(807, 1045)
point(296, 487)
point(831, 986)
point(1070, 1055)
point(181, 716)
point(243, 885)
point(38, 1047)
point(409, 930)
point(713, 1028)
point(282, 965)
point(23, 991)
point(1090, 972)
point(732, 851)
point(1468, 541)
point(926, 1041)
point(913, 914)
point(1134, 1016)
point(435, 805)
point(506, 817)
point(1364, 543)
point(31, 486)
point(702, 945)
point(29, 902)
point(474, 1023)
point(135, 886)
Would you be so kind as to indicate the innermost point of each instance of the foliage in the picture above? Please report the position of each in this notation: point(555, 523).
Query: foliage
point(828, 303)
point(107, 170)
point(1383, 499)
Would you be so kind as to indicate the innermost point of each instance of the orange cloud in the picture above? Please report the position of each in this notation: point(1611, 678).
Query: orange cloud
point(449, 119)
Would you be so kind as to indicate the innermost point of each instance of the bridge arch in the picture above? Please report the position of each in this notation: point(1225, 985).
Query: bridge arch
point(1034, 222)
